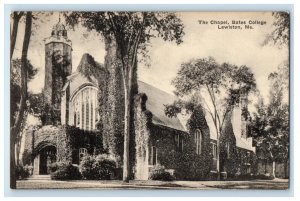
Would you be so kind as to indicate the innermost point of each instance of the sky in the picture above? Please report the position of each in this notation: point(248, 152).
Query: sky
point(236, 46)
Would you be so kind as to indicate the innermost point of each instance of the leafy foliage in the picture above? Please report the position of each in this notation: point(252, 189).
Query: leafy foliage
point(270, 125)
point(26, 157)
point(101, 167)
point(64, 171)
point(125, 25)
point(281, 34)
point(159, 172)
point(22, 172)
point(223, 83)
point(15, 84)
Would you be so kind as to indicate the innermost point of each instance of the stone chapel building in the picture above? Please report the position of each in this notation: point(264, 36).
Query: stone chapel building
point(87, 118)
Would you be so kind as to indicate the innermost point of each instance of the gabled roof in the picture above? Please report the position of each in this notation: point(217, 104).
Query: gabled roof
point(157, 99)
point(87, 71)
point(89, 67)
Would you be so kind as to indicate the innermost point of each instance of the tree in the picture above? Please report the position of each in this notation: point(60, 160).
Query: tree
point(15, 96)
point(214, 87)
point(131, 32)
point(15, 84)
point(281, 34)
point(270, 125)
point(16, 16)
point(15, 127)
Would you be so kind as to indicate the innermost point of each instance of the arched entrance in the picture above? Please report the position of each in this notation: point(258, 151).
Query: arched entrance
point(47, 156)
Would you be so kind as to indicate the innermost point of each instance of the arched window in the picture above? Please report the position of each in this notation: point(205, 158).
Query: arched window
point(198, 141)
point(84, 104)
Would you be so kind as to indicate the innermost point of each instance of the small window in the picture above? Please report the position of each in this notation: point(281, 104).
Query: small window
point(153, 156)
point(76, 114)
point(228, 149)
point(181, 145)
point(82, 153)
point(198, 141)
point(214, 150)
point(179, 142)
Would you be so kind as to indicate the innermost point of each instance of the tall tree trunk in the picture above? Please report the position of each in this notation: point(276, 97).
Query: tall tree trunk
point(14, 32)
point(15, 129)
point(218, 158)
point(127, 118)
point(126, 167)
point(274, 169)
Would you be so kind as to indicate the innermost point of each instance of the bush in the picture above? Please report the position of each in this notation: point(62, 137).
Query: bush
point(159, 173)
point(22, 172)
point(64, 171)
point(101, 167)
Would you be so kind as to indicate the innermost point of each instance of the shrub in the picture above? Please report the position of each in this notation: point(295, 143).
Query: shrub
point(104, 167)
point(159, 173)
point(101, 167)
point(22, 172)
point(64, 171)
point(86, 167)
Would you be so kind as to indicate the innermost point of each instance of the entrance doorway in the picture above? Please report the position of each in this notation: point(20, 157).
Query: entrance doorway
point(47, 157)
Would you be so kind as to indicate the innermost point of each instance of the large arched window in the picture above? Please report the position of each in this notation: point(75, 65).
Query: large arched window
point(198, 141)
point(84, 104)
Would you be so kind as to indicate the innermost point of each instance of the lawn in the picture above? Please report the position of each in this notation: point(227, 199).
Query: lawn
point(279, 184)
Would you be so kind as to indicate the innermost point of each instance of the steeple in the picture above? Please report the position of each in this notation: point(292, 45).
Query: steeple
point(59, 29)
point(58, 66)
point(59, 33)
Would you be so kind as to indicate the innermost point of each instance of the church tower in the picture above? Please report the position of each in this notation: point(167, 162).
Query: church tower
point(58, 65)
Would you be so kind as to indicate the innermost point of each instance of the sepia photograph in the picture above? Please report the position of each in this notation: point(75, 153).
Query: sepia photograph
point(149, 100)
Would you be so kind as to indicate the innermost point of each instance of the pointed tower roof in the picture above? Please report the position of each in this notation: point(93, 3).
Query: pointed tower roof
point(59, 29)
point(59, 33)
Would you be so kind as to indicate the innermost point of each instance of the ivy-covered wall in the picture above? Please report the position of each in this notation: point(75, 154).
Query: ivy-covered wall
point(66, 139)
point(142, 121)
point(185, 162)
point(234, 160)
point(58, 58)
point(112, 104)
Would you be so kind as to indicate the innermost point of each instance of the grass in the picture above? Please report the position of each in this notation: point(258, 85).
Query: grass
point(89, 184)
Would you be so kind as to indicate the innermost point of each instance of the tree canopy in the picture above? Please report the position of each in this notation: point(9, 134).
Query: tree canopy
point(270, 124)
point(281, 34)
point(218, 87)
